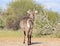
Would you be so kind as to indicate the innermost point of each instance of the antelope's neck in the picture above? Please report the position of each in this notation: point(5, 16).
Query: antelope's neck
point(32, 17)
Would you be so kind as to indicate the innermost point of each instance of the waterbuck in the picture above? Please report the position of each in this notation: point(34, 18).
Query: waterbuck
point(27, 25)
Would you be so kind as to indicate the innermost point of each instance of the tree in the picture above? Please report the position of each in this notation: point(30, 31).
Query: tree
point(19, 8)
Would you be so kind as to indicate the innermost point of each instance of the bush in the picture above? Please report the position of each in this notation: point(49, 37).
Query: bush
point(12, 22)
point(2, 24)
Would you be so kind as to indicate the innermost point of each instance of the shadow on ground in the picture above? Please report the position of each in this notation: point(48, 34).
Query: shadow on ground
point(34, 43)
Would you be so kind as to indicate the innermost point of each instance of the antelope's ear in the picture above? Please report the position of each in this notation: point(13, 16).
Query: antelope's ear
point(28, 11)
point(36, 11)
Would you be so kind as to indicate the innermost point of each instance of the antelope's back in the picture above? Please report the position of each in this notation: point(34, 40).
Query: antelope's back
point(26, 23)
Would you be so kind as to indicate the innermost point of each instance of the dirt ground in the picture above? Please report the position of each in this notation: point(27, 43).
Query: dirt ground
point(35, 42)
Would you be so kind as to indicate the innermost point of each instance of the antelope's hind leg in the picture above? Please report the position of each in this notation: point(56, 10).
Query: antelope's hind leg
point(24, 37)
point(29, 38)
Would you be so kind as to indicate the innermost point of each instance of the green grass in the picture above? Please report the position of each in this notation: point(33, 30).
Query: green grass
point(11, 33)
point(19, 33)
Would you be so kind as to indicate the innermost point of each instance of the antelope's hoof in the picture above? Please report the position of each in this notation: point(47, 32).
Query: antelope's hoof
point(23, 42)
point(29, 43)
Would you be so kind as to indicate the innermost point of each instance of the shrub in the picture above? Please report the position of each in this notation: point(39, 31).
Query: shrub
point(2, 24)
point(12, 22)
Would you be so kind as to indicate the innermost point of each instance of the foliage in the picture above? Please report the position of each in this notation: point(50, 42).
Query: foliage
point(45, 23)
point(12, 22)
point(1, 23)
point(52, 16)
point(20, 7)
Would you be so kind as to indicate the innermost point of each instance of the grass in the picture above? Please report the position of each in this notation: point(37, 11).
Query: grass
point(19, 33)
point(11, 33)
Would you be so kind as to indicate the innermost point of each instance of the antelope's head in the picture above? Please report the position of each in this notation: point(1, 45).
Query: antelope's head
point(32, 13)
